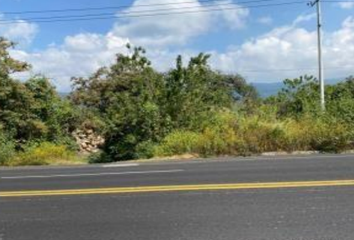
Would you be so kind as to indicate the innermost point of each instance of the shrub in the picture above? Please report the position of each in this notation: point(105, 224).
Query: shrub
point(296, 135)
point(331, 137)
point(232, 134)
point(258, 136)
point(43, 154)
point(179, 142)
point(219, 134)
point(145, 150)
point(99, 157)
point(7, 150)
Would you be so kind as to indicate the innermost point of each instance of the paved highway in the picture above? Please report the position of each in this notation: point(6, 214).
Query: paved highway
point(278, 198)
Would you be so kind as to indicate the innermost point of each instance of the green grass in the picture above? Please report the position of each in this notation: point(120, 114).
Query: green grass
point(232, 134)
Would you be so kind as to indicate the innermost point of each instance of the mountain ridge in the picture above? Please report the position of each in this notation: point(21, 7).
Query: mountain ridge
point(266, 89)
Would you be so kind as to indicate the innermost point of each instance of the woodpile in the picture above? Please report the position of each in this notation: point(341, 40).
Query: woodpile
point(88, 140)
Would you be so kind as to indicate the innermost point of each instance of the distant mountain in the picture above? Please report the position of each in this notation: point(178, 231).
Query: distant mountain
point(63, 94)
point(264, 89)
point(269, 89)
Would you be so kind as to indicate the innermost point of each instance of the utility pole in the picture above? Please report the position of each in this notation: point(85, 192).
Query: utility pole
point(320, 60)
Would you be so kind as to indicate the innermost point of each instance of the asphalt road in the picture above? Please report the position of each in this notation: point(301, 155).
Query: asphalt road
point(280, 198)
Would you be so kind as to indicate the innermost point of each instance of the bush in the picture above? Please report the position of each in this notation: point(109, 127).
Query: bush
point(43, 154)
point(144, 113)
point(7, 150)
point(218, 135)
point(231, 134)
point(331, 137)
point(145, 150)
point(99, 157)
point(179, 142)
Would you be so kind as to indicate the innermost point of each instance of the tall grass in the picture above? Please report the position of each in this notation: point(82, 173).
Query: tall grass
point(44, 153)
point(230, 133)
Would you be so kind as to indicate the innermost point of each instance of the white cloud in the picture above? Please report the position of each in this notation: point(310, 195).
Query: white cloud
point(346, 5)
point(84, 53)
point(265, 20)
point(304, 18)
point(290, 51)
point(235, 18)
point(79, 55)
point(290, 48)
point(21, 32)
point(177, 29)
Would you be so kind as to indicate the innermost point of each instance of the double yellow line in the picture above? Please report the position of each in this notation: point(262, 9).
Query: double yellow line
point(175, 188)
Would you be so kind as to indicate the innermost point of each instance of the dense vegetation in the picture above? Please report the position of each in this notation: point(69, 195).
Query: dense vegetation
point(143, 113)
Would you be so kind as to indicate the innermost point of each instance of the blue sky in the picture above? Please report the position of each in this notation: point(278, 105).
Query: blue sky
point(263, 44)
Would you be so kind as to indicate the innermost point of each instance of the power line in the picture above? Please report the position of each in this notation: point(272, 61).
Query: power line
point(333, 1)
point(124, 6)
point(133, 12)
point(137, 6)
point(149, 14)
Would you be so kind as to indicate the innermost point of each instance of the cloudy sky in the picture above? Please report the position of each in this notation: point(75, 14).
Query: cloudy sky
point(263, 43)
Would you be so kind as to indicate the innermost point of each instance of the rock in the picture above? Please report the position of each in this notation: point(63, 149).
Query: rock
point(82, 136)
point(89, 131)
point(88, 141)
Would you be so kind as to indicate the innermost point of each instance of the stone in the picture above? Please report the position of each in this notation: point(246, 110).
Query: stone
point(89, 131)
point(88, 141)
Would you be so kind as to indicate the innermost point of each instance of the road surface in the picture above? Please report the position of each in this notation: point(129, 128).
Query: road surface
point(279, 198)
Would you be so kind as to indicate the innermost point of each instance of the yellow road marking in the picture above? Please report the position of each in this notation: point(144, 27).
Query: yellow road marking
point(172, 188)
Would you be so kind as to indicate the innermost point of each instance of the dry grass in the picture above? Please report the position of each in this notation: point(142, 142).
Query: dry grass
point(234, 135)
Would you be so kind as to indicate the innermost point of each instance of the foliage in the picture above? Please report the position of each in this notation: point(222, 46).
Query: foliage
point(143, 113)
point(301, 97)
point(298, 96)
point(140, 106)
point(126, 96)
point(7, 149)
point(340, 98)
point(8, 65)
point(44, 153)
point(178, 142)
point(31, 110)
point(233, 134)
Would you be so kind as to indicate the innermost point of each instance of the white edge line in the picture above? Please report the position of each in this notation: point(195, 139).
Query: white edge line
point(120, 165)
point(94, 174)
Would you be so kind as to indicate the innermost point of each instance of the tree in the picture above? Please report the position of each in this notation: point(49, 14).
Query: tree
point(141, 106)
point(30, 110)
point(340, 101)
point(126, 95)
point(301, 97)
point(15, 99)
point(194, 91)
point(8, 65)
point(298, 96)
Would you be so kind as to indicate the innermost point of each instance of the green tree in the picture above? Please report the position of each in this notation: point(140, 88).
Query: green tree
point(30, 110)
point(15, 100)
point(298, 96)
point(126, 95)
point(301, 97)
point(195, 91)
point(141, 106)
point(340, 101)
